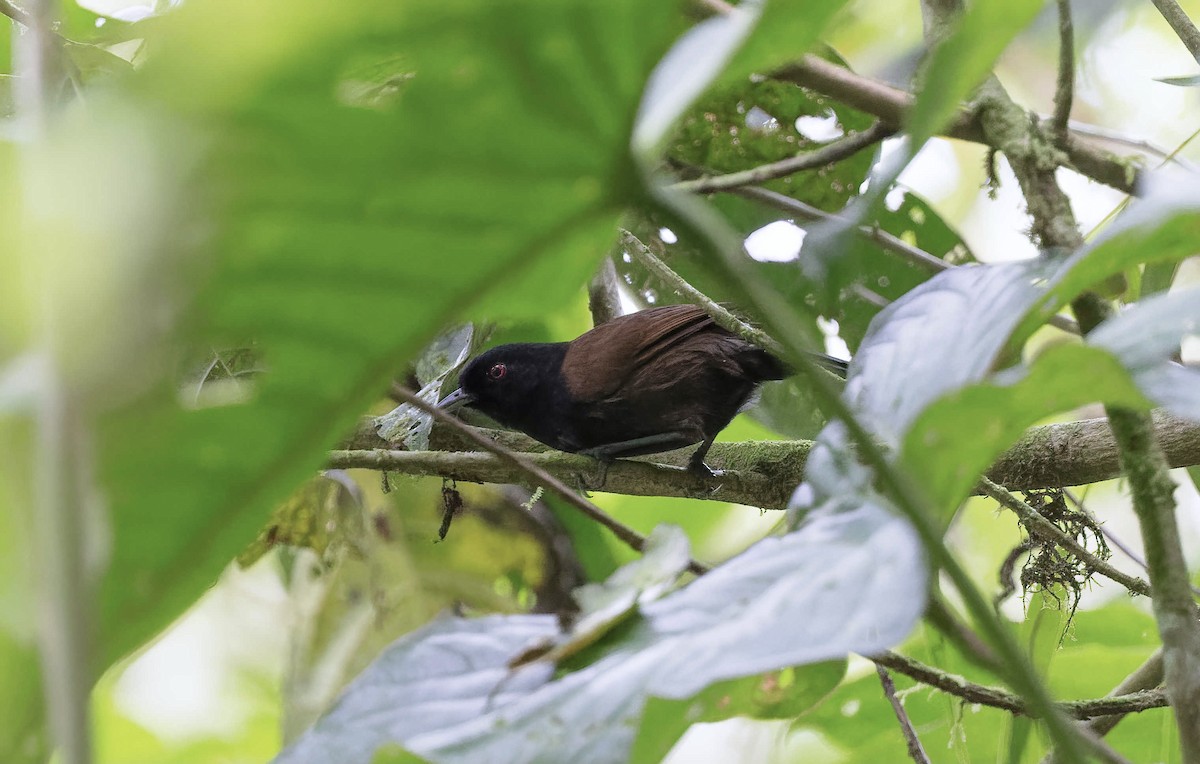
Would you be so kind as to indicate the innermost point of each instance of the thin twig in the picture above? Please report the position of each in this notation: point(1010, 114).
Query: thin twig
point(524, 465)
point(828, 154)
point(1184, 29)
point(1064, 94)
point(638, 250)
point(1031, 517)
point(1141, 144)
point(913, 255)
point(915, 751)
point(802, 211)
point(996, 697)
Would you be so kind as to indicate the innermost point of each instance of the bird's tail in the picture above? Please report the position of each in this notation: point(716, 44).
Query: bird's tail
point(763, 366)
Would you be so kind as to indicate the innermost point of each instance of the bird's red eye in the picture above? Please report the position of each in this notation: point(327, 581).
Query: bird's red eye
point(498, 371)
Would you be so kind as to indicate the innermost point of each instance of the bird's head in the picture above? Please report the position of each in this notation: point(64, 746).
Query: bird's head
point(508, 381)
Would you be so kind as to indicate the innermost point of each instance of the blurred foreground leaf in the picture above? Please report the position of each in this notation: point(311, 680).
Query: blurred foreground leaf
point(342, 236)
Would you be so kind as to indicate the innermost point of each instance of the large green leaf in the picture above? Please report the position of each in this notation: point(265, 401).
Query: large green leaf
point(342, 231)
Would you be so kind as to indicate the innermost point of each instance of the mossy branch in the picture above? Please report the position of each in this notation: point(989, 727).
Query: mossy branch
point(762, 473)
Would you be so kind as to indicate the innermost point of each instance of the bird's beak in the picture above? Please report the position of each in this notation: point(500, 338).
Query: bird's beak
point(456, 400)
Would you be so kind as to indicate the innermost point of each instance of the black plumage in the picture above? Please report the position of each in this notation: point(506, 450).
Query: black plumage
point(646, 382)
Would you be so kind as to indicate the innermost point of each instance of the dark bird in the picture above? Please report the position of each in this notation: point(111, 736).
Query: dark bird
point(646, 382)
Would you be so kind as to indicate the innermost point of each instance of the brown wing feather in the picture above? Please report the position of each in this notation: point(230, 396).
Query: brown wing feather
point(599, 362)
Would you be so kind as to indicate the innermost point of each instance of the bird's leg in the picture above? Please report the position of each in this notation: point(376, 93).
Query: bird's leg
point(647, 444)
point(696, 462)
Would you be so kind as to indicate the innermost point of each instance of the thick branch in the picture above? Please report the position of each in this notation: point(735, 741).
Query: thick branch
point(1008, 128)
point(763, 473)
point(892, 104)
point(1154, 502)
point(755, 481)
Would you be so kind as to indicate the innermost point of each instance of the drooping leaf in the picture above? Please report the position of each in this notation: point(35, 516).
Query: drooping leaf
point(843, 581)
point(906, 360)
point(1145, 339)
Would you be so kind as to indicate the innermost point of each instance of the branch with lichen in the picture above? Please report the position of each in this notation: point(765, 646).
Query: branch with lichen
point(996, 697)
point(1035, 522)
point(1032, 155)
point(759, 473)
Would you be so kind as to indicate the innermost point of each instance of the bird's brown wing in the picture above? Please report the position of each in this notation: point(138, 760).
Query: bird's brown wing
point(599, 362)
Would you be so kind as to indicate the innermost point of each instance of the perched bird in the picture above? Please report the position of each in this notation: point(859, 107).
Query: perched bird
point(646, 382)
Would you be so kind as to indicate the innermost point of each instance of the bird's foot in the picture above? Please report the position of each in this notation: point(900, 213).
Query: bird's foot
point(594, 481)
point(699, 468)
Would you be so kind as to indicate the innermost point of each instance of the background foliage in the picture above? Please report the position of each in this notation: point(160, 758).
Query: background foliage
point(239, 223)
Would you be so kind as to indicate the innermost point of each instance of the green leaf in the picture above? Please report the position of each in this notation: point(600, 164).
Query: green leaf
point(754, 122)
point(947, 458)
point(1160, 227)
point(911, 219)
point(778, 695)
point(784, 31)
point(342, 237)
point(850, 581)
point(963, 59)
